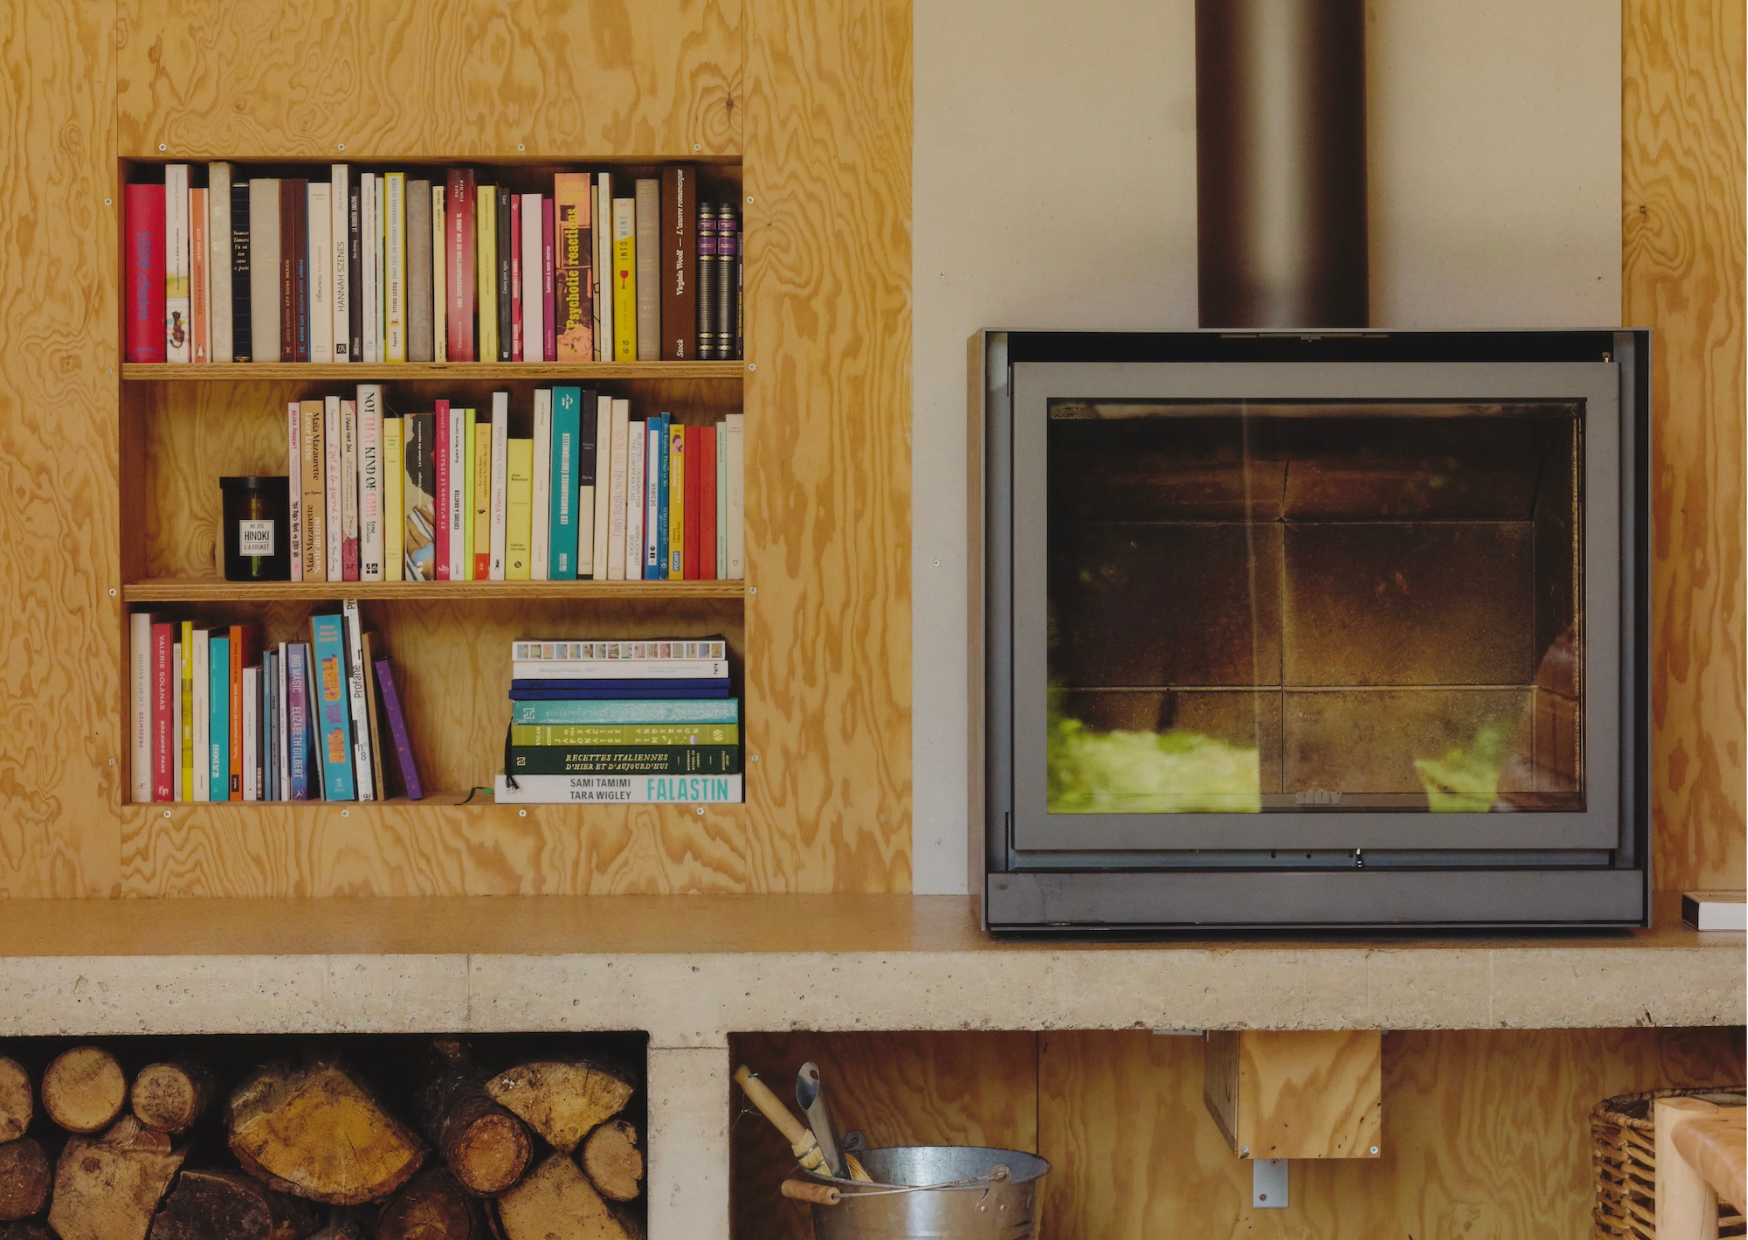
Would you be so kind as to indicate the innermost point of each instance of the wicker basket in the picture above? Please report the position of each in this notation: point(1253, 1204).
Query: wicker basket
point(1623, 1152)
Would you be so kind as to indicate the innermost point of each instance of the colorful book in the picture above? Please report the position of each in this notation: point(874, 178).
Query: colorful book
point(656, 567)
point(587, 474)
point(446, 526)
point(349, 496)
point(176, 309)
point(460, 425)
point(419, 497)
point(439, 277)
point(244, 649)
point(199, 296)
point(564, 670)
point(479, 525)
point(678, 238)
point(357, 673)
point(566, 435)
point(165, 684)
point(624, 760)
point(145, 273)
point(706, 473)
point(218, 727)
point(394, 516)
point(340, 264)
point(500, 481)
point(200, 786)
point(618, 711)
point(394, 301)
point(540, 516)
point(371, 545)
point(459, 194)
point(486, 270)
point(676, 503)
point(617, 489)
point(625, 279)
point(332, 515)
point(616, 735)
point(519, 510)
point(299, 723)
point(185, 701)
point(218, 260)
point(176, 785)
point(533, 304)
point(333, 722)
point(397, 728)
point(652, 648)
point(636, 493)
point(282, 700)
point(314, 503)
point(242, 290)
point(321, 269)
point(293, 326)
point(693, 503)
point(618, 789)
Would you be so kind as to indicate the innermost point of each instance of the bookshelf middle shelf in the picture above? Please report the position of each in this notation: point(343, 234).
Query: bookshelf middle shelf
point(371, 372)
point(216, 590)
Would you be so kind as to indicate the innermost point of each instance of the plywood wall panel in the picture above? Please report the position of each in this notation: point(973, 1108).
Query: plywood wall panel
point(1683, 277)
point(61, 655)
point(286, 79)
point(828, 261)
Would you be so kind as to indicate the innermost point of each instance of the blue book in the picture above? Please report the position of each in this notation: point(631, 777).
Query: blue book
point(562, 530)
point(599, 691)
point(297, 721)
point(333, 724)
point(661, 464)
point(673, 710)
point(219, 717)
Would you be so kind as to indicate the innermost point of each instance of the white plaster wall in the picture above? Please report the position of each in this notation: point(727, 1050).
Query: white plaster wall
point(1054, 187)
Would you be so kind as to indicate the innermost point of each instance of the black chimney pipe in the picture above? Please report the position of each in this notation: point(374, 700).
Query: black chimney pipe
point(1281, 163)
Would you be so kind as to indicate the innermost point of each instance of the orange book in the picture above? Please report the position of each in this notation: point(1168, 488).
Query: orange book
point(245, 652)
point(573, 263)
point(199, 284)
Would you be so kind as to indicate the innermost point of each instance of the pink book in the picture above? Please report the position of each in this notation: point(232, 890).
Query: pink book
point(516, 345)
point(550, 344)
point(166, 748)
point(145, 272)
point(441, 507)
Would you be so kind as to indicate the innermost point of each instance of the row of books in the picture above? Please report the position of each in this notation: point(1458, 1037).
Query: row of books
point(587, 492)
point(626, 722)
point(387, 267)
point(216, 717)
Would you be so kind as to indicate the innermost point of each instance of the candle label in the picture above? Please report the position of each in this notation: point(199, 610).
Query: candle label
point(255, 538)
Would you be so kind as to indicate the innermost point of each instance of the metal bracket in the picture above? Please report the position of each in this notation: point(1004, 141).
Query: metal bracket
point(1268, 1184)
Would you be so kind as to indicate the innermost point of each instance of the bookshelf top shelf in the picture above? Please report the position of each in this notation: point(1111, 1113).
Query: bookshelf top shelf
point(584, 372)
point(201, 590)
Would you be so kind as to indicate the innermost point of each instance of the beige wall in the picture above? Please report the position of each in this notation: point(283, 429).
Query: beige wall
point(1054, 187)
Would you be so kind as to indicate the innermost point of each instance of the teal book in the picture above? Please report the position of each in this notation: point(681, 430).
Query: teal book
point(567, 405)
point(333, 725)
point(623, 710)
point(219, 717)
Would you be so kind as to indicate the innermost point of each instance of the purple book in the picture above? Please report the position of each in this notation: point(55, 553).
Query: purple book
point(298, 720)
point(397, 726)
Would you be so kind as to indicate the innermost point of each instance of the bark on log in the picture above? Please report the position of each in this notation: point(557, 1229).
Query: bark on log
point(169, 1097)
point(486, 1147)
point(26, 1176)
point(563, 1100)
point(84, 1089)
point(226, 1205)
point(316, 1131)
point(108, 1188)
point(612, 1160)
point(433, 1207)
point(557, 1202)
point(17, 1102)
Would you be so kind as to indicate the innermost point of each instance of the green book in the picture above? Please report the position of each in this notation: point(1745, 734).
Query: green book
point(584, 735)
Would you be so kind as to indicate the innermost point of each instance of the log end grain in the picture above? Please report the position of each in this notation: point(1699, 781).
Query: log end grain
point(613, 1162)
point(84, 1089)
point(26, 1176)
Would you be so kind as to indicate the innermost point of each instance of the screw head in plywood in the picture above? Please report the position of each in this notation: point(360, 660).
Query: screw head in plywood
point(109, 202)
point(342, 146)
point(754, 758)
point(752, 365)
point(112, 592)
point(163, 146)
point(697, 146)
point(345, 813)
point(752, 589)
point(166, 813)
point(521, 146)
point(749, 197)
point(521, 813)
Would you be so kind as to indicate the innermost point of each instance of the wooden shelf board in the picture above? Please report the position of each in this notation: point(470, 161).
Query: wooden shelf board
point(583, 372)
point(202, 590)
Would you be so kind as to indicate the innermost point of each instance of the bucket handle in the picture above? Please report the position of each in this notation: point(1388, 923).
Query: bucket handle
point(996, 1175)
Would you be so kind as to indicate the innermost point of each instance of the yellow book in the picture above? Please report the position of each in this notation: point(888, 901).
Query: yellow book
point(480, 470)
point(186, 674)
point(394, 517)
point(625, 279)
point(518, 509)
point(676, 502)
point(485, 276)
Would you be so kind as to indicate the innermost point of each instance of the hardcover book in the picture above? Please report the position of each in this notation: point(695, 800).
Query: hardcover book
point(218, 258)
point(320, 218)
point(625, 279)
point(199, 295)
point(707, 281)
point(419, 497)
point(726, 286)
point(264, 273)
point(334, 728)
point(397, 727)
point(458, 205)
point(340, 190)
point(679, 262)
point(394, 232)
point(420, 346)
point(370, 478)
point(394, 513)
point(486, 273)
point(689, 710)
point(533, 299)
point(242, 281)
point(145, 273)
point(566, 436)
point(176, 305)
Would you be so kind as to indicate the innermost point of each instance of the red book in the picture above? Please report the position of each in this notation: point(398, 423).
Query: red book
point(145, 273)
point(517, 346)
point(245, 652)
point(694, 500)
point(707, 449)
point(166, 680)
point(458, 204)
point(440, 532)
point(547, 321)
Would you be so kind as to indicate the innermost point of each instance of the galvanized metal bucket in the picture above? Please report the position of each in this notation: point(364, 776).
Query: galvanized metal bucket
point(936, 1192)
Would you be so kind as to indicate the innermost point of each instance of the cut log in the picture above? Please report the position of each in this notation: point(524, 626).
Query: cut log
point(612, 1160)
point(432, 1207)
point(16, 1101)
point(108, 1188)
point(557, 1202)
point(563, 1100)
point(28, 1230)
point(486, 1147)
point(226, 1205)
point(84, 1089)
point(315, 1131)
point(25, 1178)
point(169, 1097)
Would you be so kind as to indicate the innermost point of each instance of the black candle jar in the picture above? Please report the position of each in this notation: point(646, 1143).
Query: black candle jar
point(257, 529)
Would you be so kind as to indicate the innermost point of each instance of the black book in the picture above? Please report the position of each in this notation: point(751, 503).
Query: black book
point(355, 264)
point(241, 339)
point(706, 281)
point(506, 315)
point(300, 273)
point(727, 282)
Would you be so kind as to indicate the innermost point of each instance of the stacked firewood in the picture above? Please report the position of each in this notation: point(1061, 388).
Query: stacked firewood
point(303, 1147)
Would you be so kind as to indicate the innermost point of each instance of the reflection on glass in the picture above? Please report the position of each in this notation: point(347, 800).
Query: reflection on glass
point(1310, 606)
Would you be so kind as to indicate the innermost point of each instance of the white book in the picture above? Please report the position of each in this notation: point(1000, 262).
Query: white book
point(439, 279)
point(381, 275)
point(282, 725)
point(177, 791)
point(202, 698)
point(367, 183)
point(523, 650)
point(602, 217)
point(1714, 910)
point(459, 504)
point(370, 489)
point(540, 537)
point(652, 455)
point(340, 237)
point(294, 476)
point(636, 492)
point(616, 484)
point(264, 270)
point(533, 289)
point(139, 627)
point(734, 517)
point(218, 261)
point(349, 485)
point(251, 732)
point(363, 766)
point(321, 290)
point(332, 514)
point(721, 502)
point(178, 329)
point(618, 789)
point(599, 562)
point(500, 479)
point(394, 233)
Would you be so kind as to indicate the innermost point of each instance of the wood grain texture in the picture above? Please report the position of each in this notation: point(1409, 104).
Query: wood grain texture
point(216, 79)
point(1683, 277)
point(61, 655)
point(828, 255)
point(896, 1088)
point(1294, 1094)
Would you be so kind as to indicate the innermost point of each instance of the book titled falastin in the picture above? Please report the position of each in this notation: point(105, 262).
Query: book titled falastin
point(574, 489)
point(441, 267)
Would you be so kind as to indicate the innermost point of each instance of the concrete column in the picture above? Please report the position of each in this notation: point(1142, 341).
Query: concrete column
point(688, 1143)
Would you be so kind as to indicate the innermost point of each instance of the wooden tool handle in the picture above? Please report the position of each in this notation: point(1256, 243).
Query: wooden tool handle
point(799, 1136)
point(854, 1165)
point(818, 1194)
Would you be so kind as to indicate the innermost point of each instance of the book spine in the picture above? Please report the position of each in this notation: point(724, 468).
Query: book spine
point(355, 269)
point(625, 279)
point(264, 269)
point(242, 278)
point(420, 312)
point(218, 260)
point(734, 467)
point(321, 269)
point(647, 222)
point(532, 280)
point(282, 722)
point(364, 766)
point(379, 272)
point(477, 497)
point(519, 510)
point(333, 517)
point(634, 760)
point(286, 277)
point(726, 284)
point(722, 501)
point(500, 480)
point(588, 420)
point(602, 214)
point(176, 311)
point(460, 424)
point(146, 273)
point(420, 490)
point(300, 271)
point(678, 238)
point(369, 186)
point(393, 509)
point(666, 650)
point(619, 789)
point(245, 640)
point(664, 463)
point(615, 735)
point(267, 770)
point(540, 525)
point(340, 261)
point(502, 248)
point(740, 301)
point(140, 664)
point(397, 727)
point(652, 482)
point(369, 484)
point(566, 435)
point(617, 482)
point(446, 528)
point(694, 511)
point(297, 722)
point(573, 262)
point(486, 270)
point(619, 669)
point(623, 711)
point(394, 221)
point(251, 712)
point(198, 785)
point(518, 348)
point(349, 469)
point(199, 313)
point(677, 471)
point(295, 486)
point(707, 503)
point(706, 281)
point(185, 713)
point(439, 276)
point(603, 519)
point(315, 492)
point(334, 731)
point(636, 492)
point(165, 684)
point(458, 204)
point(373, 723)
point(548, 286)
point(218, 715)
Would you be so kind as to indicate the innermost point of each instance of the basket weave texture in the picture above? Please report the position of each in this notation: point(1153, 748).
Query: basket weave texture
point(1623, 1154)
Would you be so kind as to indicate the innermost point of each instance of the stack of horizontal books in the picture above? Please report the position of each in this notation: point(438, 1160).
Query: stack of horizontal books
point(628, 722)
